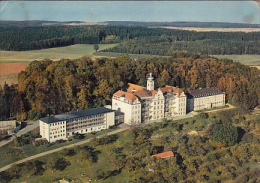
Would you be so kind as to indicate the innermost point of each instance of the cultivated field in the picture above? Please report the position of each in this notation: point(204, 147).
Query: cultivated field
point(70, 52)
point(251, 60)
point(9, 72)
point(13, 62)
point(214, 29)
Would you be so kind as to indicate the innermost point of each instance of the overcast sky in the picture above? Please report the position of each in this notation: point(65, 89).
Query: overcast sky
point(97, 11)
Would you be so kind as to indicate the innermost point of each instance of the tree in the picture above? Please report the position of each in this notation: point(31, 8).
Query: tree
point(224, 134)
point(96, 47)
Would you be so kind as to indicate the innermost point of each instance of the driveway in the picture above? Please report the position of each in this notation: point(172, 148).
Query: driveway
point(30, 126)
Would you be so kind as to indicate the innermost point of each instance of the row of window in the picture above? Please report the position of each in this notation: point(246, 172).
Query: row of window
point(79, 127)
point(135, 107)
point(157, 117)
point(53, 129)
point(57, 136)
point(86, 117)
point(158, 102)
point(57, 132)
point(87, 121)
point(55, 124)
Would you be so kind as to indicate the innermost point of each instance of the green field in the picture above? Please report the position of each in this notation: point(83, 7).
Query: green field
point(70, 52)
point(132, 56)
point(251, 60)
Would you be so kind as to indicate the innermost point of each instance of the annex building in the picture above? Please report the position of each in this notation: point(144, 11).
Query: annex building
point(61, 126)
point(140, 104)
point(205, 98)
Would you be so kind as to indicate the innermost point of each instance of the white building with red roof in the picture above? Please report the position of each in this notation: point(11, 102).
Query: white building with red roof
point(141, 104)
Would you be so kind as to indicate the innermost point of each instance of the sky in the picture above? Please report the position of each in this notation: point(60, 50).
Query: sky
point(157, 11)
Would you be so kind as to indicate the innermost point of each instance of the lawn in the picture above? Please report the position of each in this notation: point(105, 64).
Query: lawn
point(10, 154)
point(70, 52)
point(251, 60)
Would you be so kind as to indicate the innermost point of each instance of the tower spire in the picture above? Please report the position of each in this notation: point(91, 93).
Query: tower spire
point(150, 82)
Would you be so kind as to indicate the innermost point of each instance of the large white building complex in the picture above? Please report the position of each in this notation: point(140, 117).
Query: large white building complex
point(205, 98)
point(135, 105)
point(140, 104)
point(62, 126)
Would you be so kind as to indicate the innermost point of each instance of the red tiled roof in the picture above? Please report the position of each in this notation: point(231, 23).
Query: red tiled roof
point(134, 87)
point(163, 155)
point(154, 92)
point(143, 93)
point(171, 89)
point(128, 96)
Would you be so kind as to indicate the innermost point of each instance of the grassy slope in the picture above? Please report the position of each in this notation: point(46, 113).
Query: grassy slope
point(252, 60)
point(70, 52)
point(9, 153)
point(77, 168)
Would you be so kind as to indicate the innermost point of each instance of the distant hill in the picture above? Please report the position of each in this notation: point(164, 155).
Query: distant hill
point(184, 24)
point(36, 23)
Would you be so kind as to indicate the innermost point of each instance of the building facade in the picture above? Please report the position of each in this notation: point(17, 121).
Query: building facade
point(205, 98)
point(140, 104)
point(62, 126)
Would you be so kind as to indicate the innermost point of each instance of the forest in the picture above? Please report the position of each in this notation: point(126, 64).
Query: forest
point(48, 87)
point(132, 39)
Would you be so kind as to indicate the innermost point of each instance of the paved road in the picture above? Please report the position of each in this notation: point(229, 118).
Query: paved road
point(30, 126)
point(60, 148)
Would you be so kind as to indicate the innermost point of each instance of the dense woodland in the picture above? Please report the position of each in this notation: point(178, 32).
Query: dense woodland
point(138, 40)
point(48, 87)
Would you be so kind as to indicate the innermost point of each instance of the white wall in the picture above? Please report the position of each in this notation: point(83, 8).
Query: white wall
point(132, 112)
point(206, 102)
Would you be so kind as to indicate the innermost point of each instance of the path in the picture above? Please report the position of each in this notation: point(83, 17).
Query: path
point(60, 148)
point(30, 126)
point(229, 107)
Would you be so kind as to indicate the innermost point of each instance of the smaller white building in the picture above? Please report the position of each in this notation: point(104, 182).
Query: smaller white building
point(205, 98)
point(128, 104)
point(9, 127)
point(61, 126)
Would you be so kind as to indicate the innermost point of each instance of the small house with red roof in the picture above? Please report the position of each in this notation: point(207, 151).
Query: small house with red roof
point(164, 155)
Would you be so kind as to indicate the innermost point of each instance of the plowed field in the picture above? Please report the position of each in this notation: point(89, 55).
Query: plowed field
point(12, 68)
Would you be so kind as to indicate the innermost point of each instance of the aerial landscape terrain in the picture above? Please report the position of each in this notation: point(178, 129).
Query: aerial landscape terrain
point(56, 71)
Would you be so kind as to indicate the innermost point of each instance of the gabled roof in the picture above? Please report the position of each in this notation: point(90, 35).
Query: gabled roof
point(72, 115)
point(154, 92)
point(128, 96)
point(133, 87)
point(205, 92)
point(171, 89)
point(143, 93)
point(163, 155)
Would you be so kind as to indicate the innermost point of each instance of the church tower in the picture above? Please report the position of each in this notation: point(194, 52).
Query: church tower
point(150, 83)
